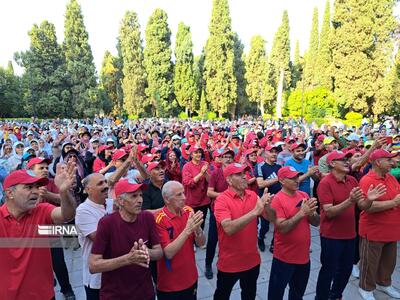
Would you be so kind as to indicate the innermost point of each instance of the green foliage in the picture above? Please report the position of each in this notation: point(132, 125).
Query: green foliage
point(157, 61)
point(258, 87)
point(182, 115)
point(219, 73)
point(110, 85)
point(314, 103)
point(132, 58)
point(46, 91)
point(242, 104)
point(362, 46)
point(185, 86)
point(311, 59)
point(10, 93)
point(211, 116)
point(203, 105)
point(297, 66)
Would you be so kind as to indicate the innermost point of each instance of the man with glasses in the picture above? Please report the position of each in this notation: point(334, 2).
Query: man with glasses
point(216, 185)
point(379, 228)
point(338, 193)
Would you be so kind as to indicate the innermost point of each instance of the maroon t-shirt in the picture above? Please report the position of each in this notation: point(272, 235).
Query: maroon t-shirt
point(115, 237)
point(218, 181)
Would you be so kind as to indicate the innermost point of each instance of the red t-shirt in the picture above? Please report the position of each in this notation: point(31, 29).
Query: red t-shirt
point(331, 191)
point(218, 181)
point(237, 252)
point(180, 272)
point(25, 273)
point(98, 164)
point(292, 247)
point(116, 237)
point(195, 192)
point(381, 226)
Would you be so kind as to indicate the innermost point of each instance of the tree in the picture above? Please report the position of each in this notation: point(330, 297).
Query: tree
point(157, 61)
point(219, 73)
point(280, 61)
point(310, 79)
point(324, 58)
point(132, 60)
point(390, 100)
point(110, 85)
point(242, 104)
point(184, 78)
point(202, 112)
point(10, 93)
point(46, 91)
point(81, 71)
point(258, 87)
point(297, 66)
point(362, 47)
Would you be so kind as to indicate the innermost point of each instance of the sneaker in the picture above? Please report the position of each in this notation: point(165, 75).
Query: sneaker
point(69, 295)
point(389, 290)
point(366, 295)
point(208, 273)
point(355, 272)
point(261, 245)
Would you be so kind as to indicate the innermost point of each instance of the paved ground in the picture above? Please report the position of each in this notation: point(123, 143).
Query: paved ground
point(206, 287)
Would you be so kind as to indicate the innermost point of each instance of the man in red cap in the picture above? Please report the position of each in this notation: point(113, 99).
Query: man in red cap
point(379, 228)
point(152, 197)
point(178, 228)
point(236, 211)
point(338, 193)
point(295, 211)
point(31, 268)
point(125, 242)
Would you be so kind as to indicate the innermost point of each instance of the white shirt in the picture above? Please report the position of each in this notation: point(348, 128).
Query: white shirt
point(87, 217)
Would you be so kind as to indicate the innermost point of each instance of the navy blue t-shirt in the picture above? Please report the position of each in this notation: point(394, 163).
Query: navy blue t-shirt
point(267, 171)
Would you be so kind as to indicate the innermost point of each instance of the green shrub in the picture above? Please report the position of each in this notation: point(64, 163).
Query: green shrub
point(133, 117)
point(183, 115)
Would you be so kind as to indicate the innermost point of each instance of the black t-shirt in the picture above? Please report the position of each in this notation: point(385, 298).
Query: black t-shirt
point(267, 171)
point(152, 197)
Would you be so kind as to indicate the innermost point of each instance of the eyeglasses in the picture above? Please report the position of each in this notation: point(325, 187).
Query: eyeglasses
point(227, 157)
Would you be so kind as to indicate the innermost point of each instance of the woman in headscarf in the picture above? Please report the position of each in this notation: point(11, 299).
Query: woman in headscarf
point(173, 169)
point(102, 162)
point(16, 157)
point(44, 148)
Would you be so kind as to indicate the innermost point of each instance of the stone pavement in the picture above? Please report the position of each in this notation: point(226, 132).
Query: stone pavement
point(206, 287)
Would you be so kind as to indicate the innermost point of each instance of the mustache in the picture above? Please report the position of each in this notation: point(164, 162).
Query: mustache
point(104, 190)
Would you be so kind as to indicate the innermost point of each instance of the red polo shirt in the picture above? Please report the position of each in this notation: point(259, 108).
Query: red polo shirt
point(292, 247)
point(25, 273)
point(180, 272)
point(332, 191)
point(237, 252)
point(195, 192)
point(381, 226)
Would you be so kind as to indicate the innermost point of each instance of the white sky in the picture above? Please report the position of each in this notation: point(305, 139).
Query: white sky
point(102, 19)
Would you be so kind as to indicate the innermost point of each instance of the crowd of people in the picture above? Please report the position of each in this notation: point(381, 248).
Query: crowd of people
point(140, 193)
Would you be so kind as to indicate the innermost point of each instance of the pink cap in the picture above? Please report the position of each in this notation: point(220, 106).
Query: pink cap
point(155, 164)
point(234, 168)
point(336, 155)
point(287, 172)
point(296, 145)
point(105, 147)
point(194, 149)
point(270, 147)
point(124, 186)
point(142, 147)
point(23, 177)
point(380, 153)
point(118, 154)
point(155, 150)
point(146, 158)
point(36, 161)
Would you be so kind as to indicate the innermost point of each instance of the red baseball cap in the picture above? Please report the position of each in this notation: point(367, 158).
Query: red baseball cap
point(290, 139)
point(125, 186)
point(155, 150)
point(227, 150)
point(23, 177)
point(355, 150)
point(250, 151)
point(37, 160)
point(270, 147)
point(337, 155)
point(155, 164)
point(380, 153)
point(288, 172)
point(105, 147)
point(194, 149)
point(234, 168)
point(118, 154)
point(147, 158)
point(321, 138)
point(142, 147)
point(296, 145)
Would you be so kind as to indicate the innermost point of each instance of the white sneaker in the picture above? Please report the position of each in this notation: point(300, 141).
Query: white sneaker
point(356, 271)
point(194, 248)
point(366, 295)
point(389, 290)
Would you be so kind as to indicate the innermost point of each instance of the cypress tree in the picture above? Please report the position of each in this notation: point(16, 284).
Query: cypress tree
point(324, 58)
point(297, 66)
point(241, 106)
point(310, 63)
point(132, 60)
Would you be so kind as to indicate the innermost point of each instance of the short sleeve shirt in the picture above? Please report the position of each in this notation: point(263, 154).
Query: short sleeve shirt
point(267, 171)
point(302, 167)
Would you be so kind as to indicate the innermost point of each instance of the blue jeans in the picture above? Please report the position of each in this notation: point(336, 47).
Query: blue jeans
point(283, 274)
point(337, 262)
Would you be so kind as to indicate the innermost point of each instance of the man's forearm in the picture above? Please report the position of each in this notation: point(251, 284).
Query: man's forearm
point(68, 205)
point(314, 219)
point(378, 206)
point(101, 265)
point(233, 226)
point(287, 225)
point(336, 210)
point(118, 173)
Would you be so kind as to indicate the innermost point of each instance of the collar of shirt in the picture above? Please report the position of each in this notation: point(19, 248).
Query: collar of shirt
point(96, 205)
point(172, 215)
point(6, 213)
point(232, 194)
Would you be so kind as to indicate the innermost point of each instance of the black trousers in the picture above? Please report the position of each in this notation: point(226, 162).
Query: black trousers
point(187, 294)
point(60, 269)
point(92, 294)
point(247, 280)
point(204, 209)
point(212, 240)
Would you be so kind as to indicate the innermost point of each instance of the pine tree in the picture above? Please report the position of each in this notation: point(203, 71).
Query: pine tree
point(324, 58)
point(242, 105)
point(297, 66)
point(110, 83)
point(310, 63)
point(46, 90)
point(157, 61)
point(219, 73)
point(362, 47)
point(184, 78)
point(132, 60)
point(81, 71)
point(258, 88)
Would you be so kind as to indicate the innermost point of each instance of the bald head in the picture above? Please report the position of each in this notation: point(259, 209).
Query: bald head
point(96, 187)
point(174, 196)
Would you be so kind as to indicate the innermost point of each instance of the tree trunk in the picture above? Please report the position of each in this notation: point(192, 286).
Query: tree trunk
point(261, 108)
point(186, 110)
point(279, 95)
